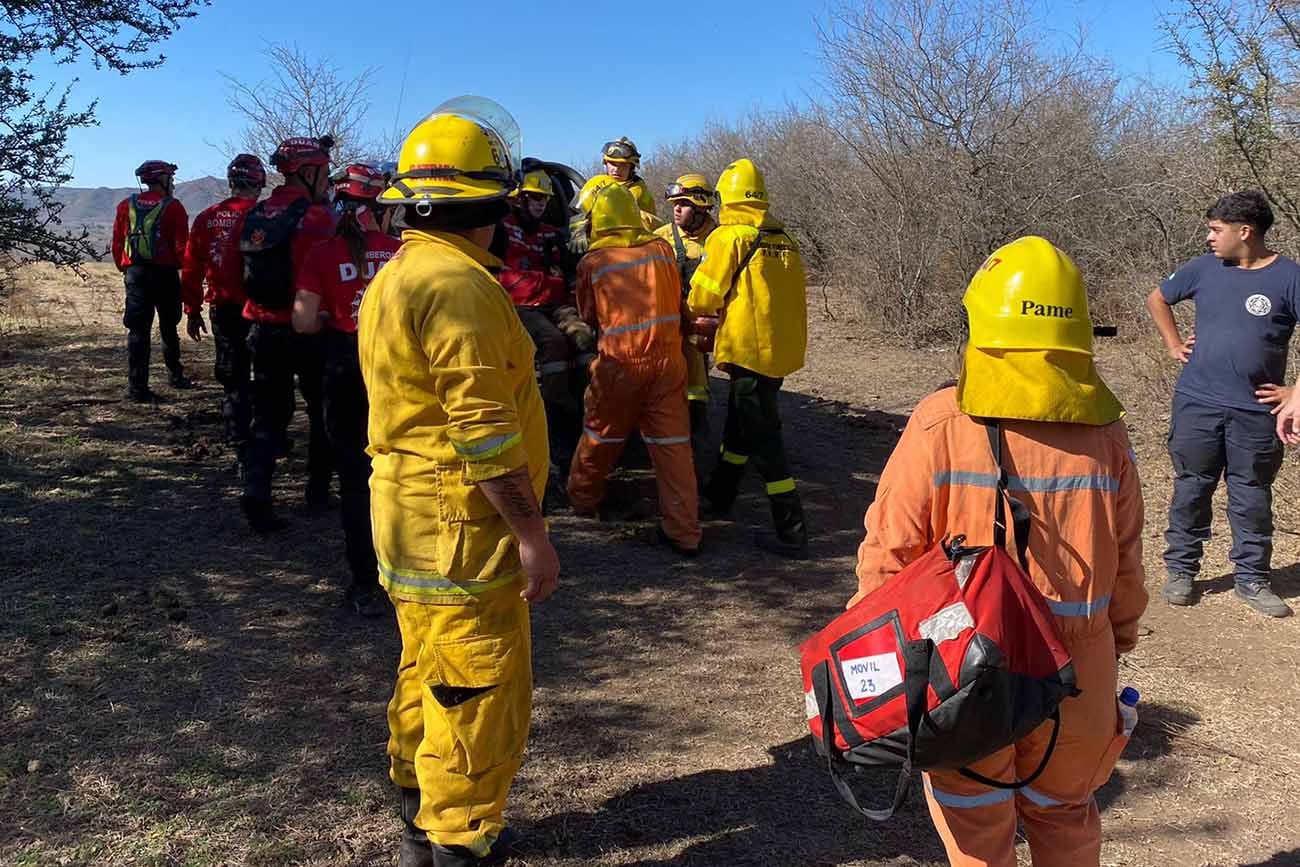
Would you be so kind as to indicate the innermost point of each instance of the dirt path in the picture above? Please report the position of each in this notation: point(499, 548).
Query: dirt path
point(176, 691)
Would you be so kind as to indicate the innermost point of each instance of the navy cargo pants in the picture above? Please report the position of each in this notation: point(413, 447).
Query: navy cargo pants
point(1205, 443)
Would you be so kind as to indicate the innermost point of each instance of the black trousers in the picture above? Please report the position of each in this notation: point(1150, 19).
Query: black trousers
point(346, 416)
point(233, 369)
point(150, 289)
point(279, 354)
point(752, 434)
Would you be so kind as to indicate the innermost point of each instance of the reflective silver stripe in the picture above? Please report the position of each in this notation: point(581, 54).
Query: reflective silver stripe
point(1038, 797)
point(1033, 485)
point(553, 367)
point(966, 802)
point(623, 266)
point(664, 441)
point(641, 326)
point(947, 623)
point(600, 439)
point(486, 447)
point(1078, 609)
point(431, 583)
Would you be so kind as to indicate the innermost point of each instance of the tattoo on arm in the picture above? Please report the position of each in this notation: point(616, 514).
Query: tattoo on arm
point(513, 497)
point(517, 495)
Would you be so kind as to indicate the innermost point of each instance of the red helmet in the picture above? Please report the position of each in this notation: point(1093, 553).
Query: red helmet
point(246, 170)
point(154, 170)
point(359, 181)
point(301, 151)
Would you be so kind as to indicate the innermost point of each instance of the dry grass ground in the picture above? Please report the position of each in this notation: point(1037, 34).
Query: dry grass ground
point(175, 691)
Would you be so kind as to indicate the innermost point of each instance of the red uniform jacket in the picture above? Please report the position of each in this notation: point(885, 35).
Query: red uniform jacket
point(330, 273)
point(173, 229)
point(317, 225)
point(534, 264)
point(212, 255)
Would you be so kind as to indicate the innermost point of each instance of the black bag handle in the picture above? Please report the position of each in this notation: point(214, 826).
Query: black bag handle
point(822, 689)
point(1019, 511)
point(917, 657)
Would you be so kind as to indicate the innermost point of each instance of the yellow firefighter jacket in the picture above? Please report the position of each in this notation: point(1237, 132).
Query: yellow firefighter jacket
point(453, 401)
point(753, 274)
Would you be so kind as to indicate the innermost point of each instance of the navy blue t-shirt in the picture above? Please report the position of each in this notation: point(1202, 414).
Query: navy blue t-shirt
point(1244, 321)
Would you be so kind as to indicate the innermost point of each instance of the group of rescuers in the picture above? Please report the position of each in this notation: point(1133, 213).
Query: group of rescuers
point(428, 382)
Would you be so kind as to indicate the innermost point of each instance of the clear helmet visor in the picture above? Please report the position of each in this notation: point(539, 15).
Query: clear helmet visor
point(493, 118)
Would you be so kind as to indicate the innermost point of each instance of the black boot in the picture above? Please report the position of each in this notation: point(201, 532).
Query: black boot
point(180, 381)
point(416, 849)
point(722, 487)
point(317, 494)
point(459, 856)
point(790, 537)
point(261, 517)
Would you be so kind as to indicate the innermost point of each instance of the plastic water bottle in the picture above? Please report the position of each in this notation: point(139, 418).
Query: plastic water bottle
point(1128, 699)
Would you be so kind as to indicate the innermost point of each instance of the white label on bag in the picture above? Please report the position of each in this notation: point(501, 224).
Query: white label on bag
point(810, 708)
point(870, 676)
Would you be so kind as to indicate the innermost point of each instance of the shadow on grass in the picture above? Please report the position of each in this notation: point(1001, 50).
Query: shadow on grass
point(1285, 582)
point(1280, 859)
point(168, 672)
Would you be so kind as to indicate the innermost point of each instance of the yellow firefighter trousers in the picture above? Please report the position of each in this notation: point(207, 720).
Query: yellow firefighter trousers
point(460, 712)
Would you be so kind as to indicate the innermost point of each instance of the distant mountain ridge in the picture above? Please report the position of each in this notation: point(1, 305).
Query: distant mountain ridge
point(96, 206)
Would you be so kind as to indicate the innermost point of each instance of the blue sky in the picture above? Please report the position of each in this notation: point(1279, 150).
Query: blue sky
point(654, 72)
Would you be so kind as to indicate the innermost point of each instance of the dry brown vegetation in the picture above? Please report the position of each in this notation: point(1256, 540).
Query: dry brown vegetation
point(176, 692)
point(945, 128)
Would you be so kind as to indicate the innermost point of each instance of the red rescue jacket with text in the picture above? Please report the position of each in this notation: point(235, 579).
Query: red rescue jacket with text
point(317, 225)
point(212, 256)
point(330, 273)
point(534, 264)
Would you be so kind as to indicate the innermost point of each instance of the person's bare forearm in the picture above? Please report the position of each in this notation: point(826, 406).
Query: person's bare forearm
point(1163, 317)
point(513, 498)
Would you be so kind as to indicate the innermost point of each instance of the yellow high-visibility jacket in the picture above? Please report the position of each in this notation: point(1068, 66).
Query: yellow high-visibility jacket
point(688, 247)
point(763, 306)
point(453, 401)
point(645, 200)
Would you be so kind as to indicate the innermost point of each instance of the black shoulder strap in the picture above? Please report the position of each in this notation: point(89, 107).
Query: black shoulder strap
point(744, 262)
point(1019, 511)
point(680, 248)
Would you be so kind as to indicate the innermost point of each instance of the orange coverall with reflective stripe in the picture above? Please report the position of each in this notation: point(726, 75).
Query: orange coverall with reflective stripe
point(638, 380)
point(1085, 554)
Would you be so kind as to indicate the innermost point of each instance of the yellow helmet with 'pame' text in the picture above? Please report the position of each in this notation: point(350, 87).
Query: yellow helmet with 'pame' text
point(1028, 295)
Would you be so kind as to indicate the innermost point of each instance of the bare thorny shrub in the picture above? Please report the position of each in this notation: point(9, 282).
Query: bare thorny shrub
point(950, 127)
point(304, 95)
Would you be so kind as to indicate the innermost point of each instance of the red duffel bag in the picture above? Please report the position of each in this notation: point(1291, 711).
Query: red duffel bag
point(953, 659)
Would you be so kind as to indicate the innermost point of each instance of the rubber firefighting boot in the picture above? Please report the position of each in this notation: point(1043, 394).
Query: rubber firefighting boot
point(416, 849)
point(459, 856)
point(261, 517)
point(721, 489)
point(790, 536)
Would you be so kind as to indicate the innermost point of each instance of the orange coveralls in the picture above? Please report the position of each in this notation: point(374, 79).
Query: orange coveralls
point(1085, 554)
point(638, 380)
